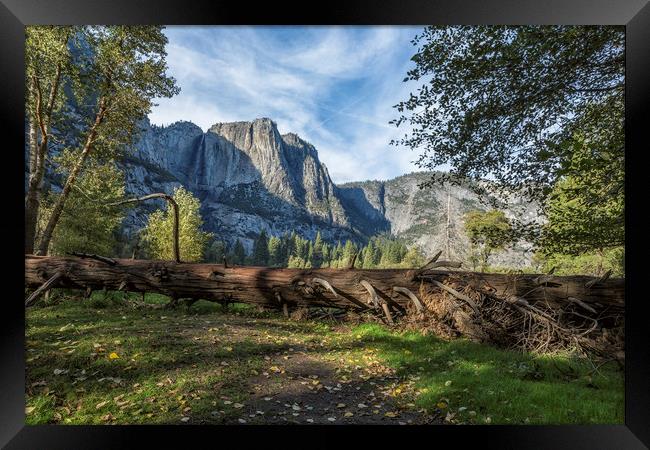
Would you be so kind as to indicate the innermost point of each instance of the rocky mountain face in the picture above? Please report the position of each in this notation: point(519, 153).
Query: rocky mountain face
point(249, 177)
point(430, 218)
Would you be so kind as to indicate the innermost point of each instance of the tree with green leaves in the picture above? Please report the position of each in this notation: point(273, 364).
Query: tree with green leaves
point(488, 231)
point(349, 250)
point(513, 103)
point(86, 225)
point(413, 258)
point(260, 254)
point(275, 252)
point(48, 66)
point(216, 252)
point(317, 250)
point(158, 232)
point(120, 76)
point(326, 252)
point(586, 209)
point(238, 253)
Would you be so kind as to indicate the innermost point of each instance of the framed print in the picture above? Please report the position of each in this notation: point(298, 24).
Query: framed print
point(422, 216)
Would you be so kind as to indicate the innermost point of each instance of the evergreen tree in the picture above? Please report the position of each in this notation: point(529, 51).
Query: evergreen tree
point(275, 252)
point(317, 258)
point(260, 254)
point(349, 251)
point(238, 253)
point(216, 251)
point(310, 255)
point(413, 258)
point(326, 256)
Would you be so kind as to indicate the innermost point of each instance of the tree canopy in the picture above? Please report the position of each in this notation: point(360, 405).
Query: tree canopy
point(159, 230)
point(536, 110)
point(118, 71)
point(487, 231)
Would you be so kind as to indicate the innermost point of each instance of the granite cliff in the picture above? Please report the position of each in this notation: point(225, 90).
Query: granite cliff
point(250, 177)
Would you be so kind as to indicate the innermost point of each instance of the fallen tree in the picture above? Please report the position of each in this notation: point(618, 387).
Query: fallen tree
point(484, 306)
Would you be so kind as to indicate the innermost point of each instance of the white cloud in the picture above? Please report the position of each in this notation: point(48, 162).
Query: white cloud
point(334, 86)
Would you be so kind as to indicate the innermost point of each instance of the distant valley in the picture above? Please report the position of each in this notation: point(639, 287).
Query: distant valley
point(249, 177)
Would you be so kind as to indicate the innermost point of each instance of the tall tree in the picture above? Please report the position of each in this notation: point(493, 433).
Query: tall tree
point(123, 72)
point(261, 249)
point(86, 225)
point(488, 231)
point(216, 252)
point(586, 209)
point(238, 253)
point(275, 252)
point(159, 229)
point(503, 101)
point(47, 66)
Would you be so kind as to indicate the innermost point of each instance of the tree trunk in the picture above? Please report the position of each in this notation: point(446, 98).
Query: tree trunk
point(38, 152)
point(32, 199)
point(69, 182)
point(344, 288)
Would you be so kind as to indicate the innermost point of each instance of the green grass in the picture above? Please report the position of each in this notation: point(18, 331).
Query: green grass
point(480, 384)
point(203, 357)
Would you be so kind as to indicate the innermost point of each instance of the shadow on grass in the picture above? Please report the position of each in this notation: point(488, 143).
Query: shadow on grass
point(164, 355)
point(502, 386)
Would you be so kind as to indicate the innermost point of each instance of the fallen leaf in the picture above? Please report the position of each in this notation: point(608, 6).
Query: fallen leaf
point(99, 405)
point(113, 355)
point(390, 414)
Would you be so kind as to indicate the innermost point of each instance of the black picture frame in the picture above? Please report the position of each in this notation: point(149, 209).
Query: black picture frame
point(15, 14)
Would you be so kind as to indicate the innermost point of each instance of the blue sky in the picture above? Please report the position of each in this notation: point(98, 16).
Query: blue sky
point(333, 86)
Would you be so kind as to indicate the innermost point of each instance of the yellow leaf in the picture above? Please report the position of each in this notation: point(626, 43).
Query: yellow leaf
point(113, 355)
point(390, 414)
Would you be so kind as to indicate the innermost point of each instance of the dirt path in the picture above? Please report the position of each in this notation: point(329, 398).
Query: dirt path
point(216, 368)
point(305, 384)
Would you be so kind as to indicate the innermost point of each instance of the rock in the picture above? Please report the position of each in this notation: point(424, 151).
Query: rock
point(249, 178)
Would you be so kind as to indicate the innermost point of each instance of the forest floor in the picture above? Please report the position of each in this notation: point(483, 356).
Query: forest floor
point(99, 361)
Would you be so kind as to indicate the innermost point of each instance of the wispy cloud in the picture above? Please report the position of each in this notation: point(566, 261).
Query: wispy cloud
point(334, 86)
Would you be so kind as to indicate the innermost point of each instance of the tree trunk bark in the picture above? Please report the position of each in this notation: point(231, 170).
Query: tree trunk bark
point(38, 152)
point(69, 182)
point(343, 288)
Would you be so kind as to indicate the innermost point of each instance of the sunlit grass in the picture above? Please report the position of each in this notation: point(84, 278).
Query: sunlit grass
point(169, 365)
point(482, 384)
